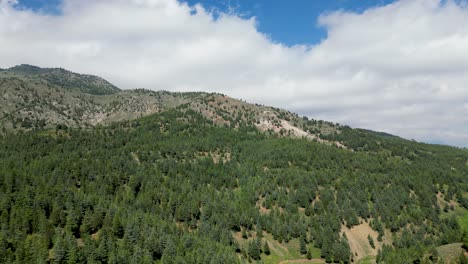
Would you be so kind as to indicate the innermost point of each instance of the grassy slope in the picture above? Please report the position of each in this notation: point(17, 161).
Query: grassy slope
point(450, 252)
point(282, 252)
point(462, 216)
point(367, 260)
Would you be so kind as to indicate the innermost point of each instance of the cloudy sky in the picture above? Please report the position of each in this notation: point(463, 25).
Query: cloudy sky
point(395, 66)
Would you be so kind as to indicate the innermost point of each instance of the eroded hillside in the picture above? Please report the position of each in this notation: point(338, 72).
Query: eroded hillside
point(34, 97)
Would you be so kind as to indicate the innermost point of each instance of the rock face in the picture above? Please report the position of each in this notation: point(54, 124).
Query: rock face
point(33, 97)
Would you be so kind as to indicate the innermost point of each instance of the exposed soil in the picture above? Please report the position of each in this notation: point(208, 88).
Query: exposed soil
point(358, 241)
point(302, 261)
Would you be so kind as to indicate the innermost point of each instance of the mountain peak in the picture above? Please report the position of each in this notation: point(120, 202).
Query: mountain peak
point(28, 69)
point(67, 79)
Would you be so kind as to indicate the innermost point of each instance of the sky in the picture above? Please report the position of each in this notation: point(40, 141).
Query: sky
point(287, 22)
point(399, 67)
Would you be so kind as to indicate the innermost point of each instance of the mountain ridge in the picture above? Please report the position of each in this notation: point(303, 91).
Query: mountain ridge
point(37, 98)
point(33, 99)
point(86, 83)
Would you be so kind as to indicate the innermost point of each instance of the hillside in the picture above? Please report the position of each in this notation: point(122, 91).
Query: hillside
point(34, 97)
point(165, 177)
point(65, 79)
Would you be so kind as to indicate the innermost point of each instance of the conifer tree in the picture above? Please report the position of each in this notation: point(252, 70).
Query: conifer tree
point(266, 248)
point(303, 246)
point(59, 251)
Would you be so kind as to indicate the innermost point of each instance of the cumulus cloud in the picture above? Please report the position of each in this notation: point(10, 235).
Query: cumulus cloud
point(400, 68)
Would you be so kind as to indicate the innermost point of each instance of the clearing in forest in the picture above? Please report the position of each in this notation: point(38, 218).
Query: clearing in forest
point(281, 252)
point(450, 253)
point(358, 240)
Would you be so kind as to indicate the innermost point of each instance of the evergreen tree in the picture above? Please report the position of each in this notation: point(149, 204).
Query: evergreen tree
point(59, 251)
point(303, 246)
point(266, 248)
point(244, 234)
point(254, 248)
point(462, 259)
point(371, 241)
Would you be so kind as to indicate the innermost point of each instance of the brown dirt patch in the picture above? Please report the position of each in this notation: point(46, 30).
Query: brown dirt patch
point(136, 158)
point(358, 242)
point(261, 209)
point(442, 202)
point(302, 261)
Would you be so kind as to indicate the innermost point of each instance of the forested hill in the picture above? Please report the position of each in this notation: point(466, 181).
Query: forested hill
point(46, 98)
point(175, 187)
point(90, 173)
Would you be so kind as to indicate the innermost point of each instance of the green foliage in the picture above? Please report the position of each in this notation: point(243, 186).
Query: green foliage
point(465, 240)
point(69, 80)
point(371, 241)
point(173, 188)
point(462, 259)
point(303, 246)
point(254, 248)
point(266, 248)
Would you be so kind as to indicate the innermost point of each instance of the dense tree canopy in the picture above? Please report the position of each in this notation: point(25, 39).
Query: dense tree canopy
point(174, 188)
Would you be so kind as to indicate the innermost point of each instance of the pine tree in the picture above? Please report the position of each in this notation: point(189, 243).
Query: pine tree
point(266, 248)
point(259, 230)
point(244, 233)
point(303, 246)
point(463, 259)
point(103, 250)
point(254, 249)
point(36, 250)
point(465, 240)
point(308, 210)
point(342, 251)
point(117, 226)
point(72, 250)
point(59, 251)
point(371, 241)
point(170, 251)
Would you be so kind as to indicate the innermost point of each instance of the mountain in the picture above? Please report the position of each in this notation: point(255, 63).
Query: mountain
point(66, 79)
point(138, 176)
point(36, 97)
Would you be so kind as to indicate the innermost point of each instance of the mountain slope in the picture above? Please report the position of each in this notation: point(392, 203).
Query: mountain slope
point(66, 79)
point(142, 176)
point(175, 187)
point(35, 97)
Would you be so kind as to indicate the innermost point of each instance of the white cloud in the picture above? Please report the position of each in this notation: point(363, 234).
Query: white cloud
point(400, 68)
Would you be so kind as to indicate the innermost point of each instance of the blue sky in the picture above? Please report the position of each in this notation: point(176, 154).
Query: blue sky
point(287, 22)
point(290, 22)
point(47, 6)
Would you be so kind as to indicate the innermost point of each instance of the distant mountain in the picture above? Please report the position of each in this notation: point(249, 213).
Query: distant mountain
point(35, 97)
